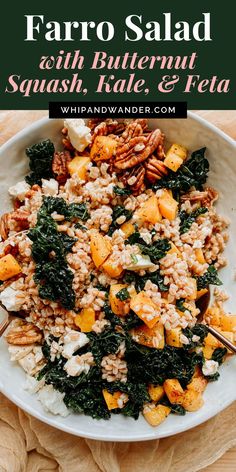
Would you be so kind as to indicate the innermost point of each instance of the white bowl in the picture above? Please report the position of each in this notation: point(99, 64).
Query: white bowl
point(194, 132)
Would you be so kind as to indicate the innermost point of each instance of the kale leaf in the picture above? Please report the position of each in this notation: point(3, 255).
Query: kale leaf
point(219, 354)
point(121, 191)
point(180, 305)
point(199, 330)
point(140, 281)
point(193, 173)
point(55, 279)
point(155, 251)
point(156, 365)
point(118, 210)
point(59, 205)
point(49, 249)
point(187, 219)
point(123, 294)
point(209, 277)
point(40, 161)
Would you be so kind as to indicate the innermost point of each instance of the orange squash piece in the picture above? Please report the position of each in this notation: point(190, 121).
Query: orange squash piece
point(145, 309)
point(100, 248)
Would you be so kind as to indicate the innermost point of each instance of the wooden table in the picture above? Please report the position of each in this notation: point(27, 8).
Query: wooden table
point(13, 121)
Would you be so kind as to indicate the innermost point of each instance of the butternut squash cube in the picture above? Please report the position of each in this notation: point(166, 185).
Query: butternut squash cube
point(151, 337)
point(172, 161)
point(127, 228)
point(111, 399)
point(100, 248)
point(214, 313)
point(174, 249)
point(198, 384)
point(228, 322)
point(168, 205)
point(173, 337)
point(210, 340)
point(208, 351)
point(192, 400)
point(200, 256)
point(145, 309)
point(118, 306)
point(156, 392)
point(9, 267)
point(155, 416)
point(178, 150)
point(79, 166)
point(201, 292)
point(149, 212)
point(112, 268)
point(85, 320)
point(174, 391)
point(103, 148)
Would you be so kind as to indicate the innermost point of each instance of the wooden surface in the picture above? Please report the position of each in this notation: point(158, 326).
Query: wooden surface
point(13, 121)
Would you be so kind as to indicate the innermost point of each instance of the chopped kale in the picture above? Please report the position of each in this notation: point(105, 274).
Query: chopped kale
point(187, 219)
point(55, 282)
point(209, 278)
point(219, 354)
point(135, 238)
point(119, 210)
point(156, 250)
point(132, 321)
point(175, 408)
point(156, 365)
point(121, 191)
point(199, 330)
point(80, 226)
point(40, 161)
point(180, 304)
point(123, 294)
point(140, 281)
point(49, 249)
point(104, 343)
point(59, 205)
point(193, 173)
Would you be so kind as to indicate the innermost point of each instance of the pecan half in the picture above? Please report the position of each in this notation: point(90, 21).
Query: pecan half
point(206, 197)
point(129, 159)
point(23, 333)
point(135, 179)
point(105, 128)
point(4, 226)
point(60, 166)
point(155, 169)
point(135, 128)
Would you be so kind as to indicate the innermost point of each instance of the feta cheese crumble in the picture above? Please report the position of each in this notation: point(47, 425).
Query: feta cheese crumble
point(210, 367)
point(50, 187)
point(11, 299)
point(19, 190)
point(73, 341)
point(52, 401)
point(79, 134)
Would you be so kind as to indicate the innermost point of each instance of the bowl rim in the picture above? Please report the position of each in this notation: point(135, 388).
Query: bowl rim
point(105, 436)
